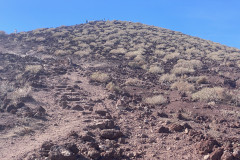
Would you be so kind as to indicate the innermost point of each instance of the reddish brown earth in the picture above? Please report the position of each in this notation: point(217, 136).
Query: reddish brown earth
point(69, 116)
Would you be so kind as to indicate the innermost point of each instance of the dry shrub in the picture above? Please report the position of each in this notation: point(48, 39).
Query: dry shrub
point(33, 68)
point(181, 71)
point(189, 64)
point(167, 78)
point(134, 82)
point(182, 86)
point(82, 53)
point(135, 65)
point(159, 99)
point(155, 69)
point(171, 56)
point(118, 51)
point(113, 87)
point(133, 54)
point(5, 87)
point(62, 52)
point(59, 34)
point(159, 52)
point(19, 93)
point(215, 94)
point(100, 77)
point(40, 39)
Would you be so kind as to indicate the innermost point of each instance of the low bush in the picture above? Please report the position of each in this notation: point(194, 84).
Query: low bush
point(182, 86)
point(155, 69)
point(33, 68)
point(100, 77)
point(167, 78)
point(216, 94)
point(159, 99)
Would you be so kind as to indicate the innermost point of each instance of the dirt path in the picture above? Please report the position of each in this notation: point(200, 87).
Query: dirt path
point(59, 124)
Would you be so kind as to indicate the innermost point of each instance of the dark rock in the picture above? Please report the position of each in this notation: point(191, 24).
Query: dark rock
point(2, 127)
point(39, 111)
point(230, 82)
point(77, 108)
point(111, 134)
point(87, 137)
point(163, 115)
point(72, 147)
point(227, 155)
point(60, 153)
point(45, 148)
point(101, 112)
point(176, 127)
point(164, 130)
point(10, 108)
point(236, 153)
point(94, 154)
point(20, 105)
point(216, 155)
point(206, 146)
point(104, 124)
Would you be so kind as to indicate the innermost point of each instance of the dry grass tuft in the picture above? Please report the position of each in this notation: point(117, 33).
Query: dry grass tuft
point(133, 82)
point(155, 69)
point(182, 86)
point(159, 99)
point(167, 78)
point(113, 87)
point(216, 94)
point(33, 68)
point(100, 77)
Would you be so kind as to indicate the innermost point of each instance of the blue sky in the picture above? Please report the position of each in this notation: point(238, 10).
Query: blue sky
point(215, 20)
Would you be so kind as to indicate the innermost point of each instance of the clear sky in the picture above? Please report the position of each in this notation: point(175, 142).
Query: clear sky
point(215, 20)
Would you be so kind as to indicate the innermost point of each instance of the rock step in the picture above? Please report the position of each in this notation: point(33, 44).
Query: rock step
point(71, 94)
point(62, 86)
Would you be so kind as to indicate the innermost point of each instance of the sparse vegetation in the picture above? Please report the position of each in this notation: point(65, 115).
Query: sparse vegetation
point(167, 78)
point(113, 87)
point(184, 87)
point(100, 77)
point(33, 68)
point(158, 99)
point(155, 69)
point(216, 94)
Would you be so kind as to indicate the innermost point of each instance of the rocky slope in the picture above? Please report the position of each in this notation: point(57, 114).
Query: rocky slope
point(117, 90)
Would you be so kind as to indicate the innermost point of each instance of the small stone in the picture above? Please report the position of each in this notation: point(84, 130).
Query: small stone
point(101, 112)
point(111, 134)
point(163, 130)
point(236, 153)
point(163, 115)
point(92, 153)
point(206, 146)
point(77, 108)
point(176, 127)
point(206, 157)
point(215, 155)
point(60, 153)
point(227, 155)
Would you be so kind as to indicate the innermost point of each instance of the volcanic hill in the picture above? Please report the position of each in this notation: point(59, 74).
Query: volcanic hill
point(109, 90)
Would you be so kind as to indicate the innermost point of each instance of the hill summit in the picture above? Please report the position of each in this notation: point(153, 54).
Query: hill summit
point(117, 90)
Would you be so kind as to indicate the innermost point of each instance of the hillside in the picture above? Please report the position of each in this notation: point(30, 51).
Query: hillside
point(117, 90)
